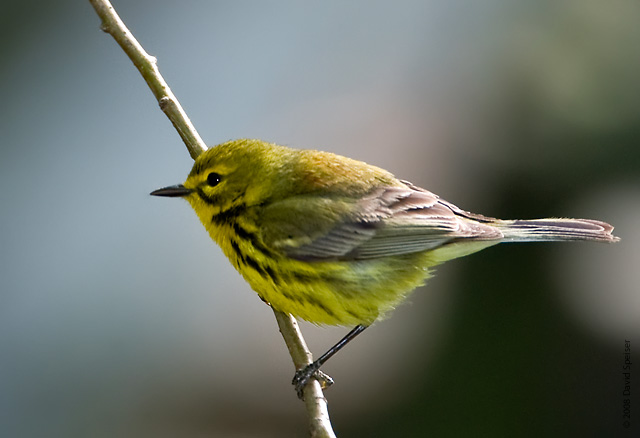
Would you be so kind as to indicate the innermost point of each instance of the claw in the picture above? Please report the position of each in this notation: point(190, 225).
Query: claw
point(324, 379)
point(302, 377)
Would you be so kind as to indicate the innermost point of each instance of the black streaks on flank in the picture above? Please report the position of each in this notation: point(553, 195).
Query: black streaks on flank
point(305, 278)
point(307, 299)
point(242, 233)
point(229, 217)
point(252, 238)
point(290, 297)
point(247, 260)
point(236, 249)
point(251, 262)
point(317, 303)
point(353, 314)
point(338, 284)
point(265, 272)
point(271, 273)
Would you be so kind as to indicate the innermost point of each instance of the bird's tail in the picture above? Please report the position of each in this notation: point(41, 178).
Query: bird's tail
point(552, 229)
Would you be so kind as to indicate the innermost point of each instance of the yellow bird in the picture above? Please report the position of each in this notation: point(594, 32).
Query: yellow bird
point(336, 241)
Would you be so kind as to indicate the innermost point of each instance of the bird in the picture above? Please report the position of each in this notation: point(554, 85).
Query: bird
point(336, 241)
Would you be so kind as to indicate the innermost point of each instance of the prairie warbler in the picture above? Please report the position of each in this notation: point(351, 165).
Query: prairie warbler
point(336, 241)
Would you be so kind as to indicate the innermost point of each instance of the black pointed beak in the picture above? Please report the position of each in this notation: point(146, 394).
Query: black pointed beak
point(176, 191)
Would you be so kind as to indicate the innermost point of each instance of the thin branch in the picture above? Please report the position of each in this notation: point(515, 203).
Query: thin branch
point(319, 422)
point(316, 404)
point(148, 67)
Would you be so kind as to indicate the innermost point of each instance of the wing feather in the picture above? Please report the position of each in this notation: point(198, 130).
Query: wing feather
point(390, 221)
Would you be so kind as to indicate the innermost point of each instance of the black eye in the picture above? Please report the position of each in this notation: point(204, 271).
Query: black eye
point(213, 179)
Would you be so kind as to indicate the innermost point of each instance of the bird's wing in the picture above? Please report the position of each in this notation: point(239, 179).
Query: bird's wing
point(389, 221)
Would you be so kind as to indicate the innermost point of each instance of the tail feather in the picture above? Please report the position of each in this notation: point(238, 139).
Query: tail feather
point(555, 229)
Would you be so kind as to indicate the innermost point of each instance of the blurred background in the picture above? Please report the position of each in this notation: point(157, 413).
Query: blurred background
point(118, 315)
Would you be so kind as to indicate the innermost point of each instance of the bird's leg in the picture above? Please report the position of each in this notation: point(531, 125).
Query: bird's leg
point(302, 376)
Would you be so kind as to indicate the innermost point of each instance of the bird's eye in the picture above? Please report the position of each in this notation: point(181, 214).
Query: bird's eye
point(213, 179)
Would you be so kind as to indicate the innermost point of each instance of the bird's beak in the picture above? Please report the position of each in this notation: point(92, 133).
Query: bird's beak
point(176, 191)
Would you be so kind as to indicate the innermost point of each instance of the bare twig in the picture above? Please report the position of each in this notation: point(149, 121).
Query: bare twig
point(319, 422)
point(316, 404)
point(148, 67)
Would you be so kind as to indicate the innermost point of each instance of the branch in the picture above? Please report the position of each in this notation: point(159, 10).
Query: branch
point(316, 404)
point(320, 424)
point(148, 67)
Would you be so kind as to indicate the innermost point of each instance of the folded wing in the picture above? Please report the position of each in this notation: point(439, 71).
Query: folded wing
point(389, 221)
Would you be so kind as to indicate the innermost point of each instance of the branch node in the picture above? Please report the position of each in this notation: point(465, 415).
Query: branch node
point(164, 102)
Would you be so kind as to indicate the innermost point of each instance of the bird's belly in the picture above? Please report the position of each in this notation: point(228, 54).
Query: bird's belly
point(339, 292)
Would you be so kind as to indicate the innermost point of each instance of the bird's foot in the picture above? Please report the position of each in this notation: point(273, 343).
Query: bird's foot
point(302, 377)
